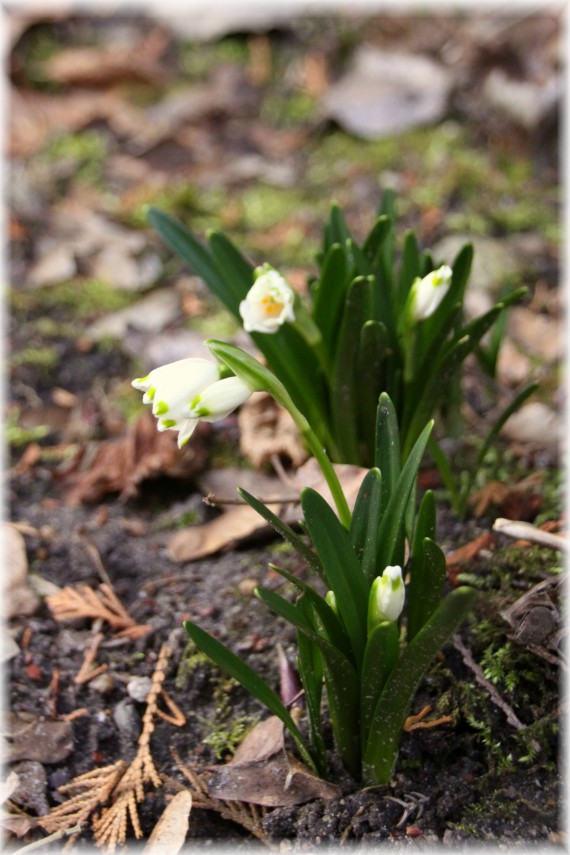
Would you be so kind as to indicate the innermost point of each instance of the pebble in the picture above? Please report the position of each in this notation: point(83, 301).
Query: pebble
point(103, 684)
point(139, 687)
point(127, 719)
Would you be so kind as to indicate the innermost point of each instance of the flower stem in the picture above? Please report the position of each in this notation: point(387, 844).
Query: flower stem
point(328, 471)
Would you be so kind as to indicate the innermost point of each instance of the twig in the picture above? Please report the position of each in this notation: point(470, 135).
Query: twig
point(57, 835)
point(214, 501)
point(486, 684)
point(520, 530)
point(87, 672)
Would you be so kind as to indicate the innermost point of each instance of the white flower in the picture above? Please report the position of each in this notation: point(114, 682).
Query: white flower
point(268, 303)
point(387, 596)
point(218, 400)
point(175, 389)
point(427, 293)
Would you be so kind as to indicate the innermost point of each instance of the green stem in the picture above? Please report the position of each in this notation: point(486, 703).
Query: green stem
point(328, 471)
point(306, 327)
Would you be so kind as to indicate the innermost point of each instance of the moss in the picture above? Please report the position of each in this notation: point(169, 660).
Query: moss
point(36, 357)
point(78, 298)
point(197, 62)
point(217, 323)
point(88, 151)
point(18, 436)
point(180, 200)
point(288, 109)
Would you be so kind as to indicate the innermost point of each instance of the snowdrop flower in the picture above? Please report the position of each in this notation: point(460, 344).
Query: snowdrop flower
point(268, 303)
point(173, 389)
point(386, 599)
point(427, 293)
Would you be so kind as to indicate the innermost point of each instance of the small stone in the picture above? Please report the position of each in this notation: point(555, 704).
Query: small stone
point(127, 720)
point(103, 684)
point(247, 587)
point(138, 688)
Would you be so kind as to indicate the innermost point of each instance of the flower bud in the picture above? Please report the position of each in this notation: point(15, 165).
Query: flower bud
point(427, 293)
point(331, 601)
point(268, 303)
point(218, 400)
point(386, 599)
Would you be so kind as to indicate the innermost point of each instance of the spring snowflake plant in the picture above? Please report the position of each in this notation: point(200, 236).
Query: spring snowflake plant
point(380, 617)
point(367, 325)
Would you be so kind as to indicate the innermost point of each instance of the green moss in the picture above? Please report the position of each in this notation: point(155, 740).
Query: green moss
point(180, 200)
point(17, 436)
point(288, 109)
point(87, 150)
point(198, 60)
point(37, 357)
point(217, 323)
point(78, 298)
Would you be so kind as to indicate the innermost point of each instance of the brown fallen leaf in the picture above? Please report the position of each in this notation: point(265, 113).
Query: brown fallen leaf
point(466, 553)
point(224, 532)
point(169, 833)
point(121, 465)
point(239, 522)
point(110, 63)
point(266, 429)
point(538, 334)
point(32, 738)
point(264, 773)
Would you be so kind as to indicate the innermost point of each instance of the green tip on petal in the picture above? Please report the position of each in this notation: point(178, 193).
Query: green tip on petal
point(168, 423)
point(160, 408)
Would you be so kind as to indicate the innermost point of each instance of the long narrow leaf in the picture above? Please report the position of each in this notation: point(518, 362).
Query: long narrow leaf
point(427, 579)
point(286, 532)
point(372, 357)
point(182, 241)
point(387, 455)
point(328, 622)
point(402, 684)
point(340, 563)
point(232, 665)
point(310, 665)
point(380, 656)
point(390, 534)
point(365, 522)
point(330, 292)
point(235, 269)
point(344, 393)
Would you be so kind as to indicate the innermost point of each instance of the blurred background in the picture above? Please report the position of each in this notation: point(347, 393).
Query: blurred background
point(252, 121)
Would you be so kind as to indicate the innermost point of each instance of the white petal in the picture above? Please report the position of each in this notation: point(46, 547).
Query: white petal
point(219, 399)
point(186, 431)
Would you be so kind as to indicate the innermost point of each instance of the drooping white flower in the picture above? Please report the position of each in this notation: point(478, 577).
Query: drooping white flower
point(268, 303)
point(218, 400)
point(386, 599)
point(175, 391)
point(427, 293)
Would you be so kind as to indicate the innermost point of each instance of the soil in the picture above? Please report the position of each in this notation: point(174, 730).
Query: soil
point(490, 775)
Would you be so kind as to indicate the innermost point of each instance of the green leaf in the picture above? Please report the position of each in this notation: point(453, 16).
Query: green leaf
point(427, 580)
point(286, 532)
point(310, 665)
point(410, 267)
point(344, 391)
point(372, 360)
point(394, 702)
point(182, 241)
point(366, 522)
point(342, 568)
point(390, 534)
point(380, 656)
point(330, 293)
point(252, 683)
point(329, 624)
point(447, 475)
point(236, 270)
point(387, 455)
point(376, 237)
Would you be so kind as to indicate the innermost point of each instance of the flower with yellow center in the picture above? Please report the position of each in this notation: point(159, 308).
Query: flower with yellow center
point(268, 303)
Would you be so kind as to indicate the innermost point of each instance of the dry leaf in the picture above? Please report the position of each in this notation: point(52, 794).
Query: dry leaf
point(120, 465)
point(262, 772)
point(18, 596)
point(33, 738)
point(310, 475)
point(538, 334)
point(266, 429)
point(109, 63)
point(169, 833)
point(470, 550)
point(231, 527)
